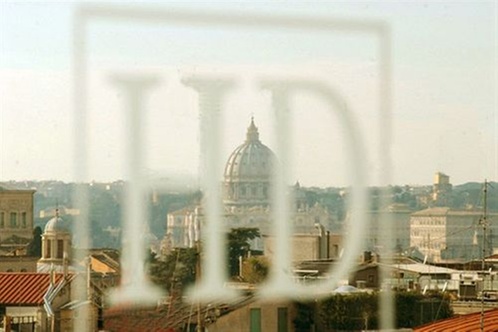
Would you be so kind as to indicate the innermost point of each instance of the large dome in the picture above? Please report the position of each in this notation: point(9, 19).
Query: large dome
point(248, 170)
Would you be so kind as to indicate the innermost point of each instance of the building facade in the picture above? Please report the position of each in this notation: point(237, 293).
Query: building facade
point(444, 234)
point(399, 216)
point(16, 217)
point(246, 189)
point(309, 247)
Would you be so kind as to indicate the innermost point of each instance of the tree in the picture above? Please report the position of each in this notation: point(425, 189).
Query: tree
point(359, 311)
point(304, 317)
point(34, 248)
point(239, 245)
point(177, 270)
point(255, 269)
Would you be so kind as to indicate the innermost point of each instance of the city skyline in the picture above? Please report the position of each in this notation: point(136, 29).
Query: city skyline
point(444, 92)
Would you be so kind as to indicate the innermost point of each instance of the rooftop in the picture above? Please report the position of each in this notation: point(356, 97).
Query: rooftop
point(443, 211)
point(24, 288)
point(468, 323)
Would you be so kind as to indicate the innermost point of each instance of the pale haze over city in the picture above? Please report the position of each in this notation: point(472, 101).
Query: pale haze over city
point(239, 166)
point(443, 96)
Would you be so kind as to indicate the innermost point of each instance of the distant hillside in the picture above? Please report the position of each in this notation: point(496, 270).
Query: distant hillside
point(493, 186)
point(106, 202)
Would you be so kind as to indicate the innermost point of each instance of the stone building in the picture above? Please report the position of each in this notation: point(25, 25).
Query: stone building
point(441, 189)
point(28, 310)
point(18, 264)
point(16, 218)
point(399, 216)
point(309, 247)
point(258, 316)
point(246, 191)
point(444, 234)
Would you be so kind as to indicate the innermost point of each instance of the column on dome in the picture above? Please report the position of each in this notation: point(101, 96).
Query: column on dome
point(235, 191)
point(44, 248)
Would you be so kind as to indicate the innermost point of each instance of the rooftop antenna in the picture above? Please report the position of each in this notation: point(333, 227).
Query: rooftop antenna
point(484, 223)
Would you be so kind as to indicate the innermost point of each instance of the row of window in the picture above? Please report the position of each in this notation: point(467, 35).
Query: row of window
point(434, 233)
point(428, 245)
point(13, 220)
point(425, 221)
point(252, 191)
point(59, 252)
point(22, 270)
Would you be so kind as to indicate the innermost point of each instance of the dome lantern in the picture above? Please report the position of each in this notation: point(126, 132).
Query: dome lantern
point(252, 132)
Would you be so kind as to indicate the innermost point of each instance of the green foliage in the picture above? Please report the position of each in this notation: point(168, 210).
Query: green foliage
point(311, 197)
point(177, 270)
point(304, 317)
point(238, 245)
point(360, 310)
point(255, 269)
point(349, 312)
point(416, 309)
point(34, 248)
point(406, 303)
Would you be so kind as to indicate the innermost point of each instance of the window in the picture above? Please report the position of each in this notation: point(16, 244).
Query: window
point(282, 320)
point(2, 219)
point(255, 320)
point(336, 250)
point(13, 219)
point(24, 220)
point(60, 248)
point(48, 248)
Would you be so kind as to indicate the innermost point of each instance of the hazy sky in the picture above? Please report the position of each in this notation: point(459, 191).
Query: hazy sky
point(444, 59)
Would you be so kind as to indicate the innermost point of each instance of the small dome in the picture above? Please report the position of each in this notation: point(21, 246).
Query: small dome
point(56, 224)
point(345, 289)
point(251, 161)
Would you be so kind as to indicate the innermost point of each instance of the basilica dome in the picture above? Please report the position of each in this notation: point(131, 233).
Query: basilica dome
point(248, 171)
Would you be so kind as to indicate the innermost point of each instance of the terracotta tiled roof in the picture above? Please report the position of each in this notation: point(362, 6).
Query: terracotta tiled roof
point(24, 288)
point(464, 323)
